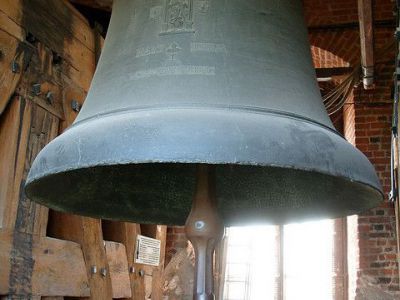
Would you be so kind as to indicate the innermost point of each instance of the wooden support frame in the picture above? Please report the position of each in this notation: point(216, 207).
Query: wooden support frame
point(126, 234)
point(54, 263)
point(157, 284)
point(366, 42)
point(27, 122)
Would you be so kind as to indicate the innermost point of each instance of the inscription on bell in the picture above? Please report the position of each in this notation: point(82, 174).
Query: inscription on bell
point(146, 51)
point(173, 71)
point(208, 47)
point(178, 16)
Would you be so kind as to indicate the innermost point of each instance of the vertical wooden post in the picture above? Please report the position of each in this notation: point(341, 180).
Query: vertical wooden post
point(14, 135)
point(281, 269)
point(14, 128)
point(157, 284)
point(340, 260)
point(366, 40)
point(126, 234)
point(35, 128)
point(83, 230)
point(220, 267)
point(11, 73)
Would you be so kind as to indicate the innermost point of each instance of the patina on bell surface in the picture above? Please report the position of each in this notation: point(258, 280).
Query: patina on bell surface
point(187, 82)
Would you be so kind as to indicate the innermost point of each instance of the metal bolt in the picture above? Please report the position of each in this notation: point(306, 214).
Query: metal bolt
point(15, 67)
point(199, 224)
point(36, 89)
point(75, 105)
point(50, 97)
point(93, 269)
point(103, 272)
point(132, 269)
point(141, 273)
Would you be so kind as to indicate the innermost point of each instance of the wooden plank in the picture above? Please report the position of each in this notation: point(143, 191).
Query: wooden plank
point(366, 38)
point(126, 234)
point(15, 130)
point(64, 31)
point(8, 79)
point(340, 266)
point(54, 262)
point(157, 284)
point(87, 232)
point(118, 264)
point(32, 217)
point(64, 18)
point(36, 127)
point(9, 26)
point(220, 267)
point(149, 230)
point(10, 123)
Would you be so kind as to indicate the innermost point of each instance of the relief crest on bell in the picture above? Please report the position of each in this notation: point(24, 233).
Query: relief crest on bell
point(178, 16)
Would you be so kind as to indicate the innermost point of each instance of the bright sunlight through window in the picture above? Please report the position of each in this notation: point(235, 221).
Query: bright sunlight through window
point(258, 269)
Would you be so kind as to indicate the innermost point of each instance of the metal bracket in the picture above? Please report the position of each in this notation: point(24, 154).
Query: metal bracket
point(103, 272)
point(93, 269)
point(28, 50)
point(36, 89)
point(50, 97)
point(75, 105)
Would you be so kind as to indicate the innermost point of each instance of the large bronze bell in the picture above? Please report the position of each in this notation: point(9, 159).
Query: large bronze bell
point(186, 82)
point(224, 83)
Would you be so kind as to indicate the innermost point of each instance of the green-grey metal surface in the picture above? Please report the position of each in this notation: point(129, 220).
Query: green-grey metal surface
point(228, 83)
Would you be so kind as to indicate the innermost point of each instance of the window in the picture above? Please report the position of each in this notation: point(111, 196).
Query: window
point(291, 262)
point(251, 266)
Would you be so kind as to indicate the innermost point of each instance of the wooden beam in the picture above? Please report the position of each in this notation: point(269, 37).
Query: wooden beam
point(32, 127)
point(98, 4)
point(118, 264)
point(64, 31)
point(14, 128)
point(58, 267)
point(126, 234)
point(366, 42)
point(9, 77)
point(157, 284)
point(87, 232)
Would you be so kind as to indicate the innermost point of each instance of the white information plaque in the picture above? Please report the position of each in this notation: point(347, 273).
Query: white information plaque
point(147, 251)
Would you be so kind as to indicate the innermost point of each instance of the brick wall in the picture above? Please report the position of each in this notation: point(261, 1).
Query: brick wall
point(334, 39)
point(376, 228)
point(372, 259)
point(176, 240)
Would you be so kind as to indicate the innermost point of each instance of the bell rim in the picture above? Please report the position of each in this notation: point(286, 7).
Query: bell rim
point(79, 148)
point(379, 196)
point(83, 132)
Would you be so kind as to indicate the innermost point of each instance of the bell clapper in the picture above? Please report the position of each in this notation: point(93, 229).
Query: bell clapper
point(204, 229)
